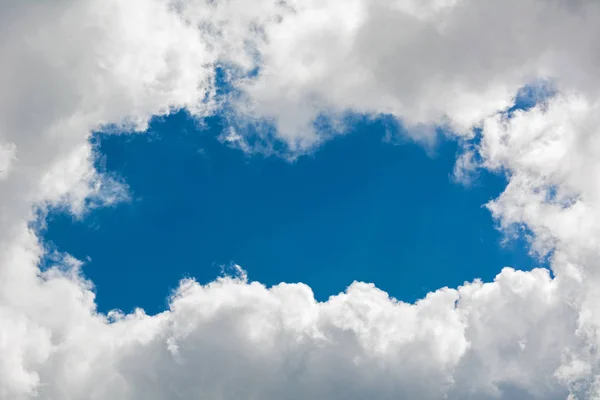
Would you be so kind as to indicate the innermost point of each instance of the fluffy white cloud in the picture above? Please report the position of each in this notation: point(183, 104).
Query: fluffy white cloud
point(232, 338)
point(450, 63)
point(71, 67)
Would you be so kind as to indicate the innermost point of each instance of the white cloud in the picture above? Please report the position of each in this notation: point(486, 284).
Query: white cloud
point(70, 67)
point(446, 62)
point(465, 168)
point(233, 338)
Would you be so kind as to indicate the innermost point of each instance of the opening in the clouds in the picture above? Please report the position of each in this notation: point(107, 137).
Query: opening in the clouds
point(359, 208)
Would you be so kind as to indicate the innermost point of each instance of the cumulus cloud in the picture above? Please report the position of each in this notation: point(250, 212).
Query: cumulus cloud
point(448, 62)
point(72, 67)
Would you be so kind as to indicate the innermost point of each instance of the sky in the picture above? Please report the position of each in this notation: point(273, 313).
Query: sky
point(298, 199)
point(353, 210)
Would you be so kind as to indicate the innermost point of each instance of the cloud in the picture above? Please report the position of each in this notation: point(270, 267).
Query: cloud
point(450, 63)
point(233, 338)
point(72, 67)
point(465, 168)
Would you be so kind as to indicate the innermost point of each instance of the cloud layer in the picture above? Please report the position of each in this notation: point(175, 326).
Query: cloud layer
point(72, 67)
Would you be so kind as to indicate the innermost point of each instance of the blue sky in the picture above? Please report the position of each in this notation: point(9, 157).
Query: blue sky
point(359, 208)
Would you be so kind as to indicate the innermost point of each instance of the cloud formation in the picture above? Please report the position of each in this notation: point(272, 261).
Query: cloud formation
point(72, 67)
